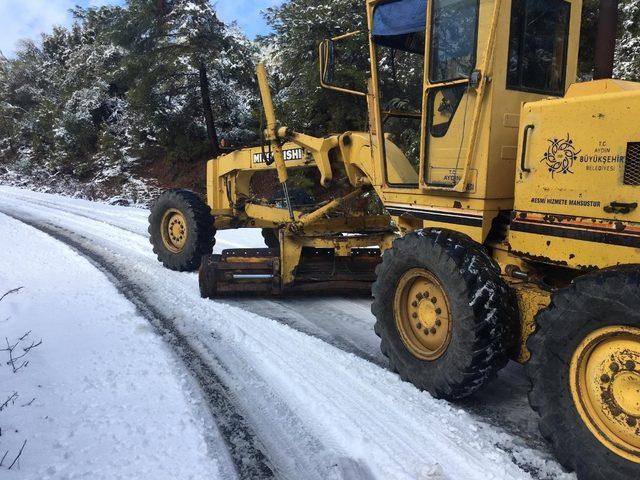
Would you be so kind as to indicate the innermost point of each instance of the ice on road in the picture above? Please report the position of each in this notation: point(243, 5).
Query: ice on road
point(317, 397)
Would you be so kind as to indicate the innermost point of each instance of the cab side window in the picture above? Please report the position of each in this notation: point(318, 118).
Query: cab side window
point(538, 46)
point(453, 41)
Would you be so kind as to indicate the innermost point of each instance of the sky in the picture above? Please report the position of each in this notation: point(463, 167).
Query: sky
point(21, 19)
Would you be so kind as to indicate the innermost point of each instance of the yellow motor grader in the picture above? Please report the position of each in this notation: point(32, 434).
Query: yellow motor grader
point(510, 226)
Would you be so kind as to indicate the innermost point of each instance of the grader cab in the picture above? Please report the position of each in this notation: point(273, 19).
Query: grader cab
point(508, 226)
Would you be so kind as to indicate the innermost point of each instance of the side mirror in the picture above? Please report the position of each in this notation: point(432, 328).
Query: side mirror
point(327, 62)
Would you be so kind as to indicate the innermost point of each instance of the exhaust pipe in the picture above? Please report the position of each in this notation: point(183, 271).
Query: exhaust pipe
point(606, 39)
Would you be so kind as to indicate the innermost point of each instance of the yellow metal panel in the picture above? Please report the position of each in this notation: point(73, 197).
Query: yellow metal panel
point(573, 171)
point(576, 154)
point(571, 252)
point(277, 216)
point(531, 300)
point(599, 87)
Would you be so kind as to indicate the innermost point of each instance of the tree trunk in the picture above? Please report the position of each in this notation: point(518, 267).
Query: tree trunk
point(161, 8)
point(207, 110)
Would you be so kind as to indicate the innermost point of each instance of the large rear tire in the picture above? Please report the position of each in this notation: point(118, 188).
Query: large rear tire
point(444, 315)
point(585, 374)
point(181, 230)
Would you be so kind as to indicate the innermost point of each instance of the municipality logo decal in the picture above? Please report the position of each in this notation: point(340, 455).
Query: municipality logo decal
point(560, 156)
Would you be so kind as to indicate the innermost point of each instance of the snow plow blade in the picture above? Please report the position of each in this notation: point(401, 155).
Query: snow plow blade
point(259, 271)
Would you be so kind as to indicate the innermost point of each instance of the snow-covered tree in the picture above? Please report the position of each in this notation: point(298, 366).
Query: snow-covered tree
point(299, 26)
point(190, 75)
point(168, 81)
point(628, 48)
point(123, 86)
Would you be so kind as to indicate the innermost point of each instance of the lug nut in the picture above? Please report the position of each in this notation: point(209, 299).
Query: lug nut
point(438, 311)
point(414, 304)
point(630, 364)
point(434, 300)
point(414, 315)
point(614, 367)
point(605, 378)
point(438, 323)
point(631, 421)
point(433, 330)
point(419, 326)
point(418, 296)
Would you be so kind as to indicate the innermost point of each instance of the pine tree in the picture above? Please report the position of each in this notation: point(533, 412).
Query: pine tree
point(156, 79)
point(190, 75)
point(627, 62)
point(299, 26)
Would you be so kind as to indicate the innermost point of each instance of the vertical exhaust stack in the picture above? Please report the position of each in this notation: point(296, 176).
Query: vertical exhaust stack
point(606, 39)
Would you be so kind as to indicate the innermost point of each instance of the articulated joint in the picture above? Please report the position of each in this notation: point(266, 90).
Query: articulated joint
point(277, 133)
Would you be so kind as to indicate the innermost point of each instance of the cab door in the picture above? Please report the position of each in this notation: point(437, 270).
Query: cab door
point(449, 99)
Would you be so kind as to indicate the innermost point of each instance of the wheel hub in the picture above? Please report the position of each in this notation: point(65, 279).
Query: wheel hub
point(605, 385)
point(625, 389)
point(174, 230)
point(421, 311)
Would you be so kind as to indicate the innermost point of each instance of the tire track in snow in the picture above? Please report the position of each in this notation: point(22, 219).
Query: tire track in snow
point(282, 312)
point(510, 414)
point(87, 242)
point(244, 448)
point(308, 320)
point(75, 212)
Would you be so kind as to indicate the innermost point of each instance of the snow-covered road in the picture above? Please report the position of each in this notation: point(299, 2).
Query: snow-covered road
point(102, 397)
point(297, 387)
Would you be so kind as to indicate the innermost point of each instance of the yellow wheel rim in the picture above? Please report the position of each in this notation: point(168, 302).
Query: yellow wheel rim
point(422, 315)
point(605, 385)
point(174, 230)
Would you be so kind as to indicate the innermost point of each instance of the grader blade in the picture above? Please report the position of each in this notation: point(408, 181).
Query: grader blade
point(258, 271)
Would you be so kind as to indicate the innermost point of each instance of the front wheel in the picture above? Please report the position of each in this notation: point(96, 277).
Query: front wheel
point(444, 315)
point(181, 230)
point(585, 374)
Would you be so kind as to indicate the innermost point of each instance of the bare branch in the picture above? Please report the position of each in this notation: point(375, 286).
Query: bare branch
point(19, 453)
point(3, 457)
point(28, 404)
point(26, 350)
point(10, 349)
point(10, 292)
point(32, 346)
point(21, 366)
point(24, 336)
point(9, 346)
point(12, 399)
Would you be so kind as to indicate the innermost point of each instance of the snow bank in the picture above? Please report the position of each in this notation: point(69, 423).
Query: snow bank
point(102, 397)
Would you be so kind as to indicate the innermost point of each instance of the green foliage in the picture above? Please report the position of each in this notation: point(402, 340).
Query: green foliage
point(299, 26)
point(628, 48)
point(127, 85)
point(627, 64)
point(124, 86)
